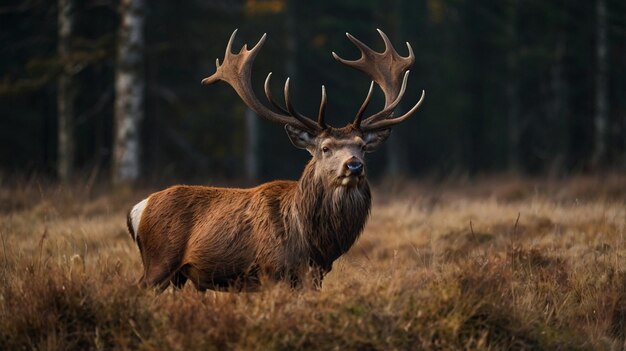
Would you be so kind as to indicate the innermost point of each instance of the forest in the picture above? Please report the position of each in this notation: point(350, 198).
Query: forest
point(518, 86)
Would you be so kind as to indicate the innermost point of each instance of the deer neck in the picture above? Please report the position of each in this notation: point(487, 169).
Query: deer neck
point(331, 218)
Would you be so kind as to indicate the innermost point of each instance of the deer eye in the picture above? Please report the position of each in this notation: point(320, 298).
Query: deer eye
point(325, 149)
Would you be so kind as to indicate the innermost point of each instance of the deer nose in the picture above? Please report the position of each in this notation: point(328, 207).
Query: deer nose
point(355, 167)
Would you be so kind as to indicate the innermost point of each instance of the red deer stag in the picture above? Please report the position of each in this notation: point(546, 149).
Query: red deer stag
point(281, 230)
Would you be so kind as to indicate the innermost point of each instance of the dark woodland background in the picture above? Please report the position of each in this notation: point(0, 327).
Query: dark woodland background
point(531, 87)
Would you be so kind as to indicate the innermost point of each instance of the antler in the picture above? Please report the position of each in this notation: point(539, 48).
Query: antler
point(236, 70)
point(390, 71)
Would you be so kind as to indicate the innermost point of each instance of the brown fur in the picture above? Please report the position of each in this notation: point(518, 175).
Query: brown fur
point(220, 237)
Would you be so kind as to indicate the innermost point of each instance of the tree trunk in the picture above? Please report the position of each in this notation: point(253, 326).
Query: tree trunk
point(292, 43)
point(129, 92)
point(252, 145)
point(512, 91)
point(558, 107)
point(601, 96)
point(476, 117)
point(65, 95)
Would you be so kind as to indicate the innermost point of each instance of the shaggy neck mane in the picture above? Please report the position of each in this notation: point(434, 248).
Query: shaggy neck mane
point(332, 217)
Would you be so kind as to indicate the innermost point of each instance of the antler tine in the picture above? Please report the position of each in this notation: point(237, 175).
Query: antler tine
point(388, 110)
point(229, 45)
point(390, 122)
point(388, 46)
point(292, 111)
point(362, 46)
point(322, 111)
point(411, 55)
point(365, 50)
point(236, 70)
point(366, 102)
point(268, 94)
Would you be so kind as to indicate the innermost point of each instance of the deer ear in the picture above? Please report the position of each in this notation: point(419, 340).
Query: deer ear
point(374, 139)
point(300, 138)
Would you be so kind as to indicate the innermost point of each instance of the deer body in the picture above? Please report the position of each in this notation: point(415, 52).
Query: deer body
point(281, 230)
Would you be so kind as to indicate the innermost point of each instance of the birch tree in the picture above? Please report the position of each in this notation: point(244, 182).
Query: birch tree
point(65, 94)
point(129, 91)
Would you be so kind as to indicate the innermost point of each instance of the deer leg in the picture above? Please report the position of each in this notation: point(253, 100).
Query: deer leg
point(159, 275)
point(178, 280)
point(317, 274)
point(295, 282)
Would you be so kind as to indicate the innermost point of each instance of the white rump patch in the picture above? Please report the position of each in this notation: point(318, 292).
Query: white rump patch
point(135, 216)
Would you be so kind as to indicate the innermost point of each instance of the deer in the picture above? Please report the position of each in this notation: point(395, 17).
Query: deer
point(284, 230)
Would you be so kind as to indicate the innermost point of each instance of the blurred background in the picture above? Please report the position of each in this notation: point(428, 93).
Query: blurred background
point(110, 89)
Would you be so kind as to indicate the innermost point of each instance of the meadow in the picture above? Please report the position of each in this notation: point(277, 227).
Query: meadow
point(493, 264)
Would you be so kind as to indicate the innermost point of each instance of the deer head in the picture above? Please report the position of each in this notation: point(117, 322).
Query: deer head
point(338, 153)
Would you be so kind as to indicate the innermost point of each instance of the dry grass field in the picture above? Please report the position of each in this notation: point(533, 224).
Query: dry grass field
point(496, 264)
